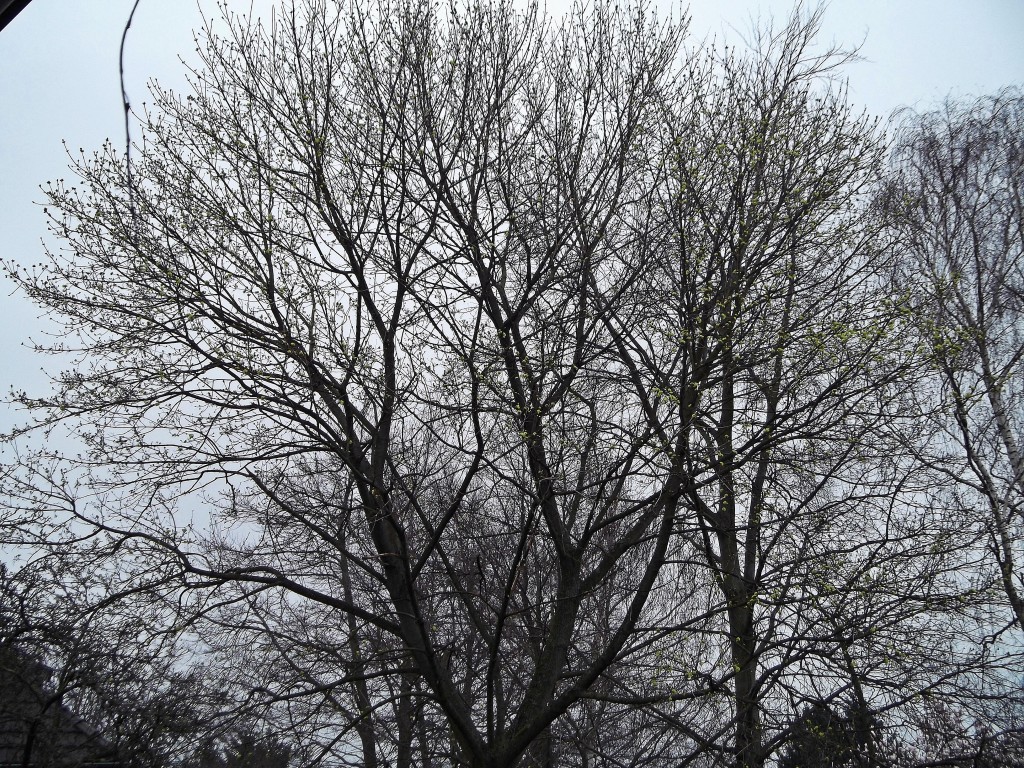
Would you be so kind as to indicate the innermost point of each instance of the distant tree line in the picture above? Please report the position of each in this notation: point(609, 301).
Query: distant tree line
point(456, 385)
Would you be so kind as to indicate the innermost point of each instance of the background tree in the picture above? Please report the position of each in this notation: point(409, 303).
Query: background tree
point(829, 738)
point(246, 749)
point(785, 353)
point(954, 205)
point(87, 682)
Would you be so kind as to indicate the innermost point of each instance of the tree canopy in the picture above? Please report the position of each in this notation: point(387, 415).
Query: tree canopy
point(463, 386)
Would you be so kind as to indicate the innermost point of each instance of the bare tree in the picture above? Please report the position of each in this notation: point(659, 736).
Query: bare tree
point(496, 392)
point(87, 679)
point(767, 319)
point(378, 245)
point(955, 203)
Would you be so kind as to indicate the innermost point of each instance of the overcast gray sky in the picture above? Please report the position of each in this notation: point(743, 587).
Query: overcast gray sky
point(59, 82)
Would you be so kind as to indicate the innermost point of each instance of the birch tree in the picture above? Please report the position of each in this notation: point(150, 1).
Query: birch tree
point(954, 203)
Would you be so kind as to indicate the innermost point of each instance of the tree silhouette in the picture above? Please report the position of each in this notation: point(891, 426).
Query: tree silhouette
point(472, 388)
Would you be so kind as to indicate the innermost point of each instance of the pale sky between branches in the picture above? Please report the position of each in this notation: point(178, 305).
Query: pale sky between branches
point(59, 83)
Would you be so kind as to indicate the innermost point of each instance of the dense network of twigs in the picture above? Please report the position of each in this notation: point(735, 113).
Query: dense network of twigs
point(461, 386)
